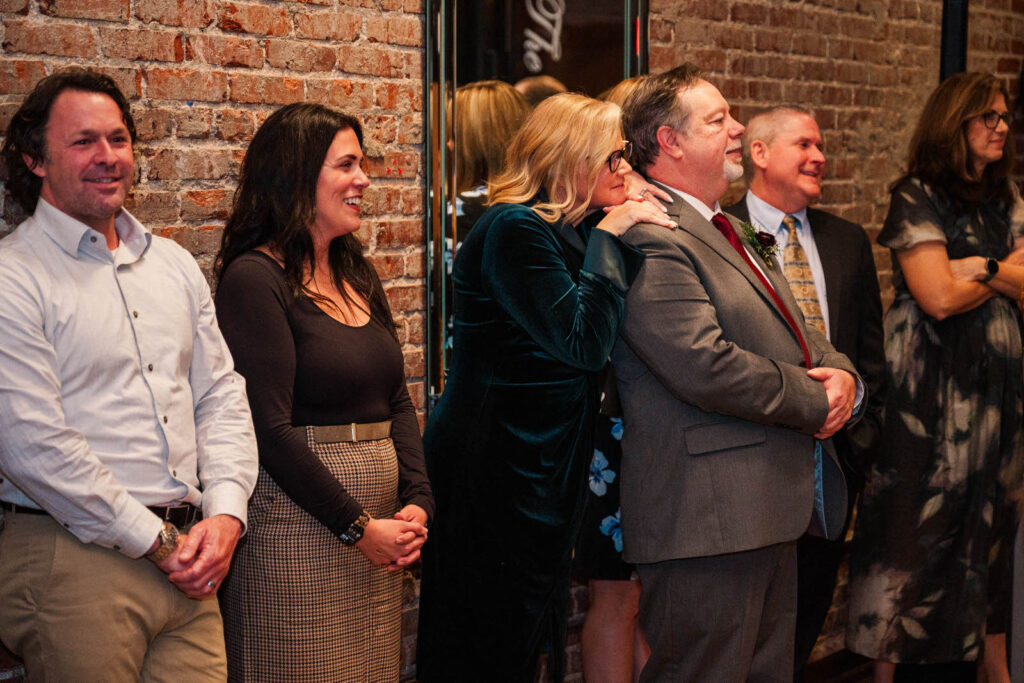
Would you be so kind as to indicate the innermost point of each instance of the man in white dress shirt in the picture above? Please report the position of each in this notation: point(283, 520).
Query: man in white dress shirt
point(122, 421)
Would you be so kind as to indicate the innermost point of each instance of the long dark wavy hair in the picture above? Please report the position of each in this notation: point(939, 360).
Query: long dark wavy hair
point(939, 153)
point(275, 205)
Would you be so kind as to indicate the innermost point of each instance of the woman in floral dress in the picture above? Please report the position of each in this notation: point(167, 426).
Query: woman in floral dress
point(929, 576)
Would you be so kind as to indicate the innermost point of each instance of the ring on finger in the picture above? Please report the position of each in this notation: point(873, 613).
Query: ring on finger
point(211, 584)
point(643, 192)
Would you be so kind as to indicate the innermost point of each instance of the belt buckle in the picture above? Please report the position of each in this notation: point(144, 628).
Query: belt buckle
point(352, 427)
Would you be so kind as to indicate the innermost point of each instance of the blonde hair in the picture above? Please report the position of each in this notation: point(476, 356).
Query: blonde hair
point(620, 92)
point(567, 138)
point(487, 115)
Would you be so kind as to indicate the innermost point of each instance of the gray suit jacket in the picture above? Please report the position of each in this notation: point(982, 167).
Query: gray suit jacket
point(718, 453)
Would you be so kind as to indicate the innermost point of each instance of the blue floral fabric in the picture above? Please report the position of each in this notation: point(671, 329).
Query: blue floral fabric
point(599, 550)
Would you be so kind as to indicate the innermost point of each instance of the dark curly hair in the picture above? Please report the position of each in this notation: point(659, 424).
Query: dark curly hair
point(275, 205)
point(26, 134)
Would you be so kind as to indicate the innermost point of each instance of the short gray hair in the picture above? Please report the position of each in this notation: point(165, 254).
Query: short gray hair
point(654, 104)
point(765, 127)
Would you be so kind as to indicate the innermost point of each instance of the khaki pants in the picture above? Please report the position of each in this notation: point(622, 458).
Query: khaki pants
point(79, 612)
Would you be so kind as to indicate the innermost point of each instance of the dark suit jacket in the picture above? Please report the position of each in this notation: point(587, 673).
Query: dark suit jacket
point(718, 452)
point(855, 323)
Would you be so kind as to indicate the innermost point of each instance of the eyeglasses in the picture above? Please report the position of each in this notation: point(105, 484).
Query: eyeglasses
point(992, 118)
point(616, 157)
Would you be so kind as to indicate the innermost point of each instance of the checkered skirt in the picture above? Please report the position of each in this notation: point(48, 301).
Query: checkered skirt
point(301, 606)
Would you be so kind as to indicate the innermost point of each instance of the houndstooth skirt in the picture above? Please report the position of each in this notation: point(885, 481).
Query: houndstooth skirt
point(298, 604)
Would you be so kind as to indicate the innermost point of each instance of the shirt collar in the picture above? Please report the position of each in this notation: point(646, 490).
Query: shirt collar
point(701, 207)
point(766, 217)
point(72, 235)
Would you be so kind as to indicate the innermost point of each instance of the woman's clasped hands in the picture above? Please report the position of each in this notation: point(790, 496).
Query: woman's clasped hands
point(395, 543)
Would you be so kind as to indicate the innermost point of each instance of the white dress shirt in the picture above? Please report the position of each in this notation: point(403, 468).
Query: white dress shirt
point(117, 390)
point(766, 217)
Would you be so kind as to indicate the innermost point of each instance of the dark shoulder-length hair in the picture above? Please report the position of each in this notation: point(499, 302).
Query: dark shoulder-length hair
point(275, 205)
point(26, 133)
point(939, 153)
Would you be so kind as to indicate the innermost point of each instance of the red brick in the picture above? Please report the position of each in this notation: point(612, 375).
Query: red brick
point(398, 233)
point(400, 165)
point(405, 297)
point(240, 17)
point(153, 123)
point(14, 6)
point(110, 10)
point(414, 365)
point(234, 125)
point(347, 95)
point(49, 37)
point(412, 200)
point(661, 31)
point(329, 25)
point(192, 163)
point(299, 55)
point(205, 205)
point(19, 76)
point(193, 122)
point(745, 13)
point(414, 267)
point(395, 97)
point(130, 43)
point(381, 199)
point(128, 80)
point(225, 50)
point(149, 206)
point(187, 13)
point(388, 266)
point(186, 84)
point(372, 61)
point(266, 89)
point(410, 130)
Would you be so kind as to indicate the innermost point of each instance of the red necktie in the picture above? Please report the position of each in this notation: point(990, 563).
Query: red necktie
point(725, 227)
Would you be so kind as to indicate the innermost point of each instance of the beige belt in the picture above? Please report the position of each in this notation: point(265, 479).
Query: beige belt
point(369, 431)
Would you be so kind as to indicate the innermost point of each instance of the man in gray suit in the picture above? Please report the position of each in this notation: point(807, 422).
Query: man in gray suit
point(729, 400)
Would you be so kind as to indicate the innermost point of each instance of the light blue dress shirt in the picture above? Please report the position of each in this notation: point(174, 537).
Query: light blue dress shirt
point(766, 217)
point(117, 390)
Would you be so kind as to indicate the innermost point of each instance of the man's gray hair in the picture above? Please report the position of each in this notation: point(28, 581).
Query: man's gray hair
point(654, 104)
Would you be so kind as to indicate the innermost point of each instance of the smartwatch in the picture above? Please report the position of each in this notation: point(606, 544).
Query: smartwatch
point(992, 266)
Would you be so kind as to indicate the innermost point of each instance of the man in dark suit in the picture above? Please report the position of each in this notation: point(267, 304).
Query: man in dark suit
point(830, 266)
point(728, 402)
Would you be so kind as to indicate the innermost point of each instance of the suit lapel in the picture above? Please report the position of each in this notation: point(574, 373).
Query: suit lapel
point(831, 263)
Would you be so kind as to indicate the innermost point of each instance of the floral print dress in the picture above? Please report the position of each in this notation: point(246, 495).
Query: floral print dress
point(929, 575)
point(599, 549)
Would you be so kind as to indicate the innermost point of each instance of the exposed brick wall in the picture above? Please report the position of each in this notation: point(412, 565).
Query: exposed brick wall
point(864, 66)
point(203, 74)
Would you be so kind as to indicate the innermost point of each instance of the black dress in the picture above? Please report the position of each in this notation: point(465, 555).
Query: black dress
point(298, 604)
point(508, 445)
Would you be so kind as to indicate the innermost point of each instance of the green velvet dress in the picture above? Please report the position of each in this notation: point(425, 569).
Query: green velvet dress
point(537, 309)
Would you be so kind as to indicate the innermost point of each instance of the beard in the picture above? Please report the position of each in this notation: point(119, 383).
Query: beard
point(732, 171)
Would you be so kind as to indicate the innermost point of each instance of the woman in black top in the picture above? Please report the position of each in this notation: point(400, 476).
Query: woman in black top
point(342, 498)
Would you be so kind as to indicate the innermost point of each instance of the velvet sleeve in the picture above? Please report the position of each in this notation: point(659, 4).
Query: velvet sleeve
point(525, 270)
point(253, 305)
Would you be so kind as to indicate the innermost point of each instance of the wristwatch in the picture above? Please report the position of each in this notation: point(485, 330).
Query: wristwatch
point(992, 266)
point(354, 532)
point(168, 542)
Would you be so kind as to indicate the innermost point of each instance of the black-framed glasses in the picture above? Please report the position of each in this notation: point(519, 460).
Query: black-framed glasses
point(616, 157)
point(992, 118)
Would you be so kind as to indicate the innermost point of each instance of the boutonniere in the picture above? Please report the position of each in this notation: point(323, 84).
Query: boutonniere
point(763, 242)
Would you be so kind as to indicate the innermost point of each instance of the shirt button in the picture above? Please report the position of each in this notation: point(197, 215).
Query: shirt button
point(93, 238)
point(135, 314)
point(174, 473)
point(117, 547)
point(165, 419)
point(150, 366)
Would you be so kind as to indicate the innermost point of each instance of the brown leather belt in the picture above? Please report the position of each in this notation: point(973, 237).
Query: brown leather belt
point(21, 509)
point(367, 431)
point(179, 515)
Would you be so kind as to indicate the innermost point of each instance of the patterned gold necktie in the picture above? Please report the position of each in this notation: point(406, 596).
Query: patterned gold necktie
point(801, 280)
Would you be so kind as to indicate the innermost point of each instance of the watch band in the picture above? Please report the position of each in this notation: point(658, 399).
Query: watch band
point(992, 266)
point(355, 530)
point(168, 542)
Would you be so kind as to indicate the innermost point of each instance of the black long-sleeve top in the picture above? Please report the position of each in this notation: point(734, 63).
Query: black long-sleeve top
point(303, 367)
